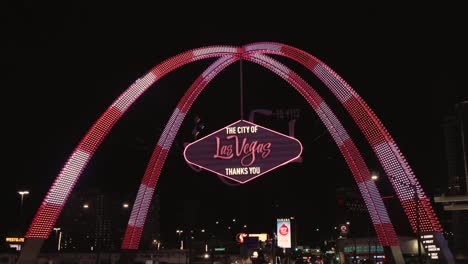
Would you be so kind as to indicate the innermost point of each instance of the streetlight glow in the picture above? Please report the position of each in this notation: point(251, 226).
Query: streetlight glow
point(179, 232)
point(59, 239)
point(22, 193)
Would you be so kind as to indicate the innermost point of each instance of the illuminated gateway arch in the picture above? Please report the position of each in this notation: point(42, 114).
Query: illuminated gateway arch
point(414, 201)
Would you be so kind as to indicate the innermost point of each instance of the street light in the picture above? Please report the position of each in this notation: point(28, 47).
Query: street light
point(59, 238)
point(179, 232)
point(56, 229)
point(22, 193)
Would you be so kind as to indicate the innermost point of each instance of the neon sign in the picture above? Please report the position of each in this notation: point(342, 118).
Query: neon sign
point(243, 151)
point(14, 239)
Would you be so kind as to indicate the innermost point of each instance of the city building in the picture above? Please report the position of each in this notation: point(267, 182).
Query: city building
point(151, 236)
point(453, 198)
point(93, 221)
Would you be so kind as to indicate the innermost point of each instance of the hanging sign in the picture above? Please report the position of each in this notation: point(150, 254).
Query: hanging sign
point(243, 151)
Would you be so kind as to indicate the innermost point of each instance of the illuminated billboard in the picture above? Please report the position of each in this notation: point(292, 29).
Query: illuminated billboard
point(283, 230)
point(243, 151)
point(430, 245)
point(14, 239)
point(262, 237)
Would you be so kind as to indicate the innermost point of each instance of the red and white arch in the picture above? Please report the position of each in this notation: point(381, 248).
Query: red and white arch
point(392, 160)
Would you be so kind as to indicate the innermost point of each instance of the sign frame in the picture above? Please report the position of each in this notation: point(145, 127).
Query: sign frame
point(246, 144)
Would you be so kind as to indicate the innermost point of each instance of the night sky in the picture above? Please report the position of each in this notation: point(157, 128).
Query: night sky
point(67, 62)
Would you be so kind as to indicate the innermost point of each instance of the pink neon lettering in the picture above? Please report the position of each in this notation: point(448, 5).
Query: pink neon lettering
point(247, 151)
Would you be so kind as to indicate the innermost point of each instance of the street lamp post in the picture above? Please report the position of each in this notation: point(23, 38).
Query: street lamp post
point(21, 220)
point(179, 232)
point(22, 193)
point(58, 236)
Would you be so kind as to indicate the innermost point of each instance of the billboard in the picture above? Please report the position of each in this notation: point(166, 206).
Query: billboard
point(430, 245)
point(243, 151)
point(283, 229)
point(262, 237)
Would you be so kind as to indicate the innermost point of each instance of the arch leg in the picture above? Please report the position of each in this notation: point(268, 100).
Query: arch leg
point(30, 251)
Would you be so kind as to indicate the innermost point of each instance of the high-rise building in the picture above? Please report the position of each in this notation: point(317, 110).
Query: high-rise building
point(151, 237)
point(454, 197)
point(74, 230)
point(92, 221)
point(103, 228)
point(455, 130)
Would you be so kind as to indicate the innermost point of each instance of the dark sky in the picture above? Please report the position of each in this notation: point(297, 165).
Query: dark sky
point(67, 62)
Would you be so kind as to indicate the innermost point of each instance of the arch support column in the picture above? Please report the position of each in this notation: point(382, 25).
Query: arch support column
point(30, 251)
